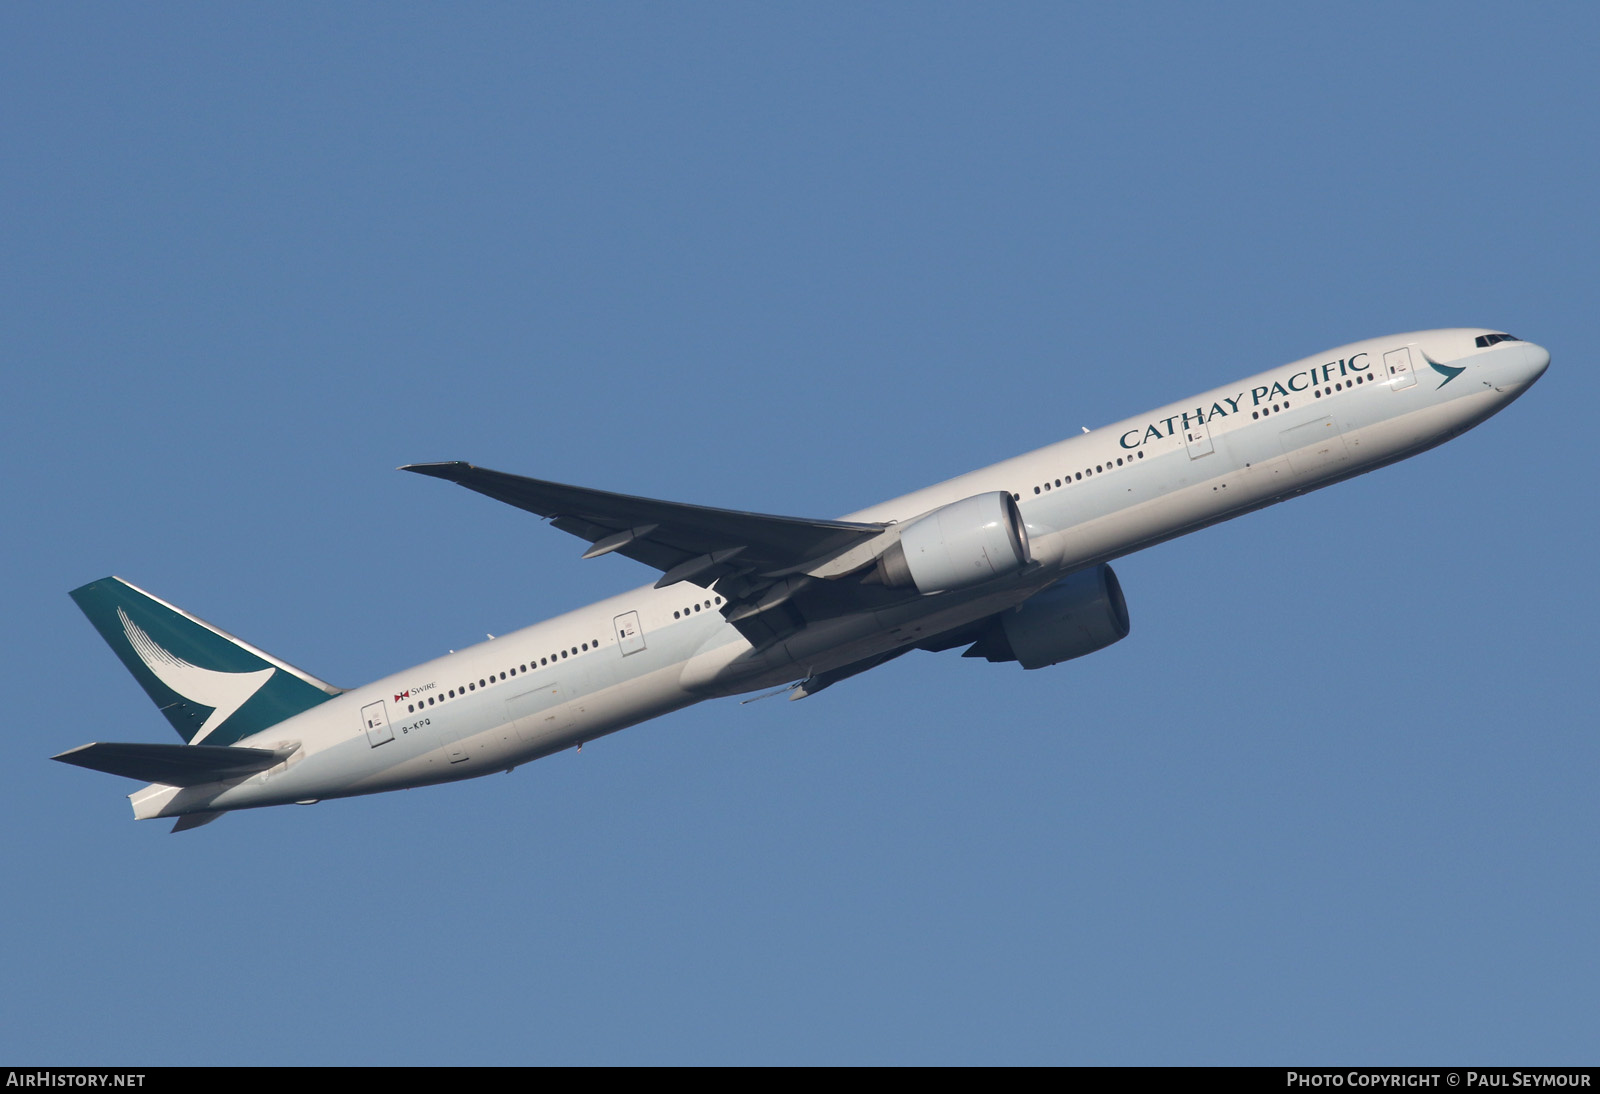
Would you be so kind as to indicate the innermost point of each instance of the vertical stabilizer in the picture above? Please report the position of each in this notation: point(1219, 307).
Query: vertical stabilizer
point(214, 688)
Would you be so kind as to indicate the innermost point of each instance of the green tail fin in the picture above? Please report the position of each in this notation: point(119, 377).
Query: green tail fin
point(213, 687)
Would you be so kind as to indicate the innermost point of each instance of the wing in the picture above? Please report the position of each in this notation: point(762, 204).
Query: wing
point(757, 561)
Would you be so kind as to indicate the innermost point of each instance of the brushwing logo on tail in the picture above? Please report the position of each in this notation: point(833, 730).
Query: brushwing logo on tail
point(223, 692)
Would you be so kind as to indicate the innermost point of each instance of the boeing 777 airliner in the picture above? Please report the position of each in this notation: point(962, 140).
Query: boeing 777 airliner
point(1010, 561)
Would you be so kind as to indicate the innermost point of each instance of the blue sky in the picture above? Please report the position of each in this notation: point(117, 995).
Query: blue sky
point(1332, 800)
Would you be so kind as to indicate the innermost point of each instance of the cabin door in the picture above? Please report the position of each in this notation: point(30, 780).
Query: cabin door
point(1398, 364)
point(376, 720)
point(630, 636)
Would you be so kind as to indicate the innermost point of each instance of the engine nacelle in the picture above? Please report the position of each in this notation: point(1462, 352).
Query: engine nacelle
point(1079, 614)
point(958, 545)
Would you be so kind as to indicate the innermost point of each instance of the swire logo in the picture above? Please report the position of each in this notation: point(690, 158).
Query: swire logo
point(403, 695)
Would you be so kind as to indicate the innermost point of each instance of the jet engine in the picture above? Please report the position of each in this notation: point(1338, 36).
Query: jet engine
point(958, 545)
point(1079, 614)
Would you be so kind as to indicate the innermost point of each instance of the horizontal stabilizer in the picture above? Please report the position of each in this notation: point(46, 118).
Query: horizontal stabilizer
point(174, 765)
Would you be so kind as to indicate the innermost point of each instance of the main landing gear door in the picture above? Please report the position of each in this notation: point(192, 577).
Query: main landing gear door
point(630, 636)
point(377, 723)
point(1314, 446)
point(540, 715)
point(1397, 362)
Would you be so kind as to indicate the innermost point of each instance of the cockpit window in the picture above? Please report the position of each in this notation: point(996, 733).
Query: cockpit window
point(1487, 340)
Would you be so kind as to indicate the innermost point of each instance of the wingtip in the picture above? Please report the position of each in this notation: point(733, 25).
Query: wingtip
point(442, 470)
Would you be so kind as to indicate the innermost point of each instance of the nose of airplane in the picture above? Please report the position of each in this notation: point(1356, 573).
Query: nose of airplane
point(1535, 360)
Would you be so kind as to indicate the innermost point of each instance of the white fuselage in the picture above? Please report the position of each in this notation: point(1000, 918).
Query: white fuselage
point(1085, 500)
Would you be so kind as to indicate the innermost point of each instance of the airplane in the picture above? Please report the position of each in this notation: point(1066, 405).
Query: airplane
point(1011, 561)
